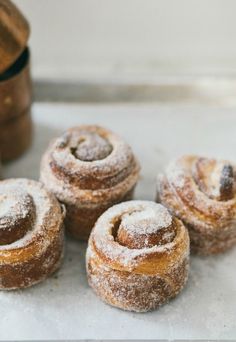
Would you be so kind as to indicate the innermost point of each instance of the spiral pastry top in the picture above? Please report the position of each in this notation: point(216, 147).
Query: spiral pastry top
point(202, 193)
point(31, 233)
point(89, 163)
point(137, 256)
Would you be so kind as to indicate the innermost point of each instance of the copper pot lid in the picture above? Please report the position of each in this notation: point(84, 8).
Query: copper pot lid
point(14, 34)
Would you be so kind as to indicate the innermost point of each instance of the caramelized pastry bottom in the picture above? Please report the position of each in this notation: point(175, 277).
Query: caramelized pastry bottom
point(135, 292)
point(35, 269)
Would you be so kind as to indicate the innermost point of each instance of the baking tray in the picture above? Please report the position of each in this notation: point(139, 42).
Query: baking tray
point(64, 307)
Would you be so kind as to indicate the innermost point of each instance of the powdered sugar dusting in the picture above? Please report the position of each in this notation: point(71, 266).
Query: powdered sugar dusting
point(175, 174)
point(31, 235)
point(90, 146)
point(104, 240)
point(118, 154)
point(147, 221)
point(116, 174)
point(200, 191)
point(42, 202)
point(16, 207)
point(113, 269)
point(5, 205)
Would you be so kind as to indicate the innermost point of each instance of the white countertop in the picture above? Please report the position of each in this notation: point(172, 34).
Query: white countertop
point(64, 307)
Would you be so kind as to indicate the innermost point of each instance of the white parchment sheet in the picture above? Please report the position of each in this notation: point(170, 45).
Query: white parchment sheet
point(64, 307)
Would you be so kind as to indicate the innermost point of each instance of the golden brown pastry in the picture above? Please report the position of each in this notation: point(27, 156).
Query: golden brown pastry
point(137, 256)
point(89, 169)
point(201, 192)
point(31, 233)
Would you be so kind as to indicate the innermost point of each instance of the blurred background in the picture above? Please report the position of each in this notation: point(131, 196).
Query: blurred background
point(147, 39)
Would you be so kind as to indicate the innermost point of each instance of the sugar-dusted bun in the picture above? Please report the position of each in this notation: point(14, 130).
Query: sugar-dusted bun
point(31, 233)
point(138, 256)
point(202, 193)
point(89, 169)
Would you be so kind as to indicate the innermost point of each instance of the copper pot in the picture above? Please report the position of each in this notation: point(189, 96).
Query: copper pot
point(16, 88)
point(15, 104)
point(14, 33)
point(15, 136)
